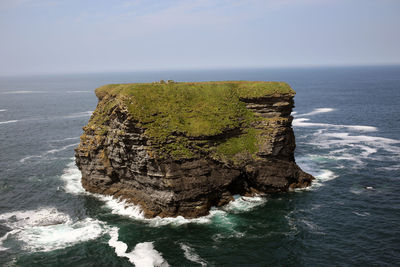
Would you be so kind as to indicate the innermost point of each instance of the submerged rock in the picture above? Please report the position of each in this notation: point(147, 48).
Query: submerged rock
point(180, 148)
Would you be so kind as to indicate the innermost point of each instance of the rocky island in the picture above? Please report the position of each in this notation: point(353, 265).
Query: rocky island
point(177, 149)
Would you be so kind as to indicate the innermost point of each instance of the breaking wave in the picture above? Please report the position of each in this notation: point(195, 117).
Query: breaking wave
point(242, 204)
point(72, 179)
point(322, 177)
point(47, 229)
point(122, 208)
point(143, 254)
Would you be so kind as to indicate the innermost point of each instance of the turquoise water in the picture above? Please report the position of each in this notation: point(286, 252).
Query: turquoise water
point(347, 128)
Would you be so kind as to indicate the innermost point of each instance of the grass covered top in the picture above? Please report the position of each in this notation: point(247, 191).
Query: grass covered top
point(174, 114)
point(244, 89)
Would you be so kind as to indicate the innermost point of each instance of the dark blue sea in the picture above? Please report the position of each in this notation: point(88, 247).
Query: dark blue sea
point(347, 127)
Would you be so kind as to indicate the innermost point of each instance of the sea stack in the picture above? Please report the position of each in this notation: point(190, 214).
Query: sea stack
point(177, 149)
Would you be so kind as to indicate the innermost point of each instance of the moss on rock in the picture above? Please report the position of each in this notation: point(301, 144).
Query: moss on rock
point(177, 117)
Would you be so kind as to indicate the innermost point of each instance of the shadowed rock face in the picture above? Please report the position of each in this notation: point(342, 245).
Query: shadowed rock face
point(121, 160)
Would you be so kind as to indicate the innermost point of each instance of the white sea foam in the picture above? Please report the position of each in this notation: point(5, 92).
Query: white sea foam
point(191, 255)
point(51, 151)
point(312, 226)
point(303, 122)
point(47, 238)
point(23, 92)
point(143, 255)
point(367, 150)
point(322, 177)
point(295, 221)
point(42, 217)
point(231, 235)
point(357, 148)
point(65, 139)
point(2, 110)
point(29, 157)
point(6, 122)
point(350, 145)
point(316, 111)
point(242, 203)
point(346, 138)
point(181, 220)
point(55, 150)
point(311, 164)
point(121, 207)
point(78, 115)
point(72, 179)
point(361, 214)
point(347, 146)
point(48, 229)
point(326, 175)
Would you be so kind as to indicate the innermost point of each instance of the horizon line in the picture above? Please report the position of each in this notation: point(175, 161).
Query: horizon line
point(183, 69)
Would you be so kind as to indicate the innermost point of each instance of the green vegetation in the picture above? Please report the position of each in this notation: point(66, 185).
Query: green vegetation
point(99, 122)
point(262, 89)
point(178, 117)
point(239, 148)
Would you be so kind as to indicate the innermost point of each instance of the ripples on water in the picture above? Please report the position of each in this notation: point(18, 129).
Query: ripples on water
point(347, 136)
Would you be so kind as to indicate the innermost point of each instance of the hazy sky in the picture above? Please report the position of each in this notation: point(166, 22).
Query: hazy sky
point(45, 36)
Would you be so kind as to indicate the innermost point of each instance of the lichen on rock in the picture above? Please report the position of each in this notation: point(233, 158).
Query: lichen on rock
point(180, 148)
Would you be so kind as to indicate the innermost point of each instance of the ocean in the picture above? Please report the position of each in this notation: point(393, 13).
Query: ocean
point(347, 128)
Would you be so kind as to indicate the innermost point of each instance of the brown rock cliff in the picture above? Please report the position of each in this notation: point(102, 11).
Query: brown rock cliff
point(117, 157)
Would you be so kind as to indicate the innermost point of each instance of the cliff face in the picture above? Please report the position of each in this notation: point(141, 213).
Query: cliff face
point(174, 151)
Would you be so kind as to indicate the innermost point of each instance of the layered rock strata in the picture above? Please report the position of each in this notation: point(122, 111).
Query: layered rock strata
point(186, 172)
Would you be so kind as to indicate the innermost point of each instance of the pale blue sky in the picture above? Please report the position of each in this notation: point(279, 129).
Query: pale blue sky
point(56, 36)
